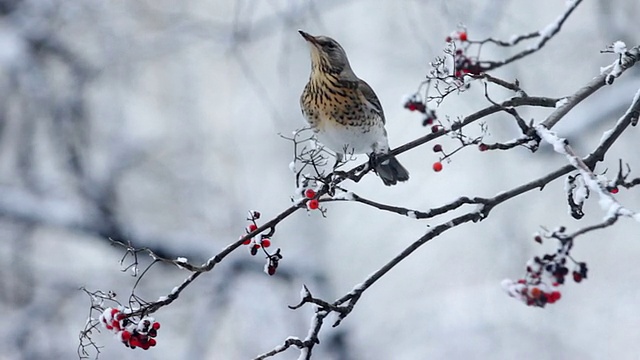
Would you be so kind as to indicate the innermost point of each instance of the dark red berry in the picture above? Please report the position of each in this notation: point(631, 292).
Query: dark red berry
point(577, 277)
point(134, 341)
point(437, 148)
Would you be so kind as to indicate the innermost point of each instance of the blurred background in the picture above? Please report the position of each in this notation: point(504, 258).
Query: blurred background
point(157, 122)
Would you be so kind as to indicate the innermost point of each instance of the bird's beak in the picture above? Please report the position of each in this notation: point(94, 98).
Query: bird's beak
point(310, 38)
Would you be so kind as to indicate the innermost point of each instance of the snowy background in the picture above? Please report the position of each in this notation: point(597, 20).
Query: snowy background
point(157, 122)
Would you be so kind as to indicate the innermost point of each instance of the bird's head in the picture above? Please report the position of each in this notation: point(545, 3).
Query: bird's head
point(327, 56)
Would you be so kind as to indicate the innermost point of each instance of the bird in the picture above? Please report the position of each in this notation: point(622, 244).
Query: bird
point(344, 111)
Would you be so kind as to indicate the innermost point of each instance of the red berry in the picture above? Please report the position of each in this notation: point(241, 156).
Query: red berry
point(271, 269)
point(156, 325)
point(134, 341)
point(458, 73)
point(538, 239)
point(522, 281)
point(427, 121)
point(252, 227)
point(483, 147)
point(435, 128)
point(463, 36)
point(152, 342)
point(125, 335)
point(254, 249)
point(114, 311)
point(412, 106)
point(266, 243)
point(437, 148)
point(577, 277)
point(447, 39)
point(553, 296)
point(437, 166)
point(255, 215)
point(313, 204)
point(310, 193)
point(614, 190)
point(246, 242)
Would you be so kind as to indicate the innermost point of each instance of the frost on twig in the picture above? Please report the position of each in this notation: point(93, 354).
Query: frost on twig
point(323, 180)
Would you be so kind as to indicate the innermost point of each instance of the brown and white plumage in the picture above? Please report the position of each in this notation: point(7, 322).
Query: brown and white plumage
point(343, 110)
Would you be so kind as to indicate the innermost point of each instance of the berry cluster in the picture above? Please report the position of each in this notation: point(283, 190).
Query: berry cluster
point(256, 244)
point(545, 275)
point(132, 335)
point(464, 64)
point(414, 103)
point(313, 203)
point(261, 242)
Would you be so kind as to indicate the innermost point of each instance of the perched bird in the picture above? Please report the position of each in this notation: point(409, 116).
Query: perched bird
point(343, 110)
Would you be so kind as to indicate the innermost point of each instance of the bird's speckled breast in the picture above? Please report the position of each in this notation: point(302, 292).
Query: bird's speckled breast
point(340, 119)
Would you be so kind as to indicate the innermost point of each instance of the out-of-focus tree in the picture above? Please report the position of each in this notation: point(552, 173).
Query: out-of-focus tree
point(154, 124)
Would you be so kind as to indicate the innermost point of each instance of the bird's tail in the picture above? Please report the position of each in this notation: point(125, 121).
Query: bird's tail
point(391, 171)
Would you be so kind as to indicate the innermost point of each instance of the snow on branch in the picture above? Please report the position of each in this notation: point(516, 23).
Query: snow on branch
point(317, 187)
point(542, 36)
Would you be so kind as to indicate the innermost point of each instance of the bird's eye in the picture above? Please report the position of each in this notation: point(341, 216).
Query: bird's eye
point(330, 45)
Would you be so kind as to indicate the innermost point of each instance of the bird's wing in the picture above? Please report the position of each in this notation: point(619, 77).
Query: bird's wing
point(370, 98)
